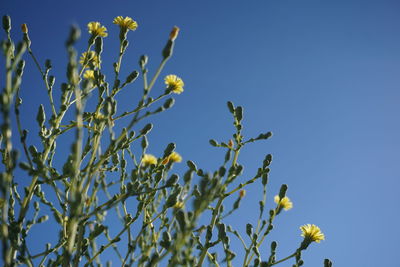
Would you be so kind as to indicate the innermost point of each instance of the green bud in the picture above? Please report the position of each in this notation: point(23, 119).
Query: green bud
point(145, 143)
point(209, 233)
point(57, 215)
point(282, 192)
point(236, 203)
point(213, 142)
point(231, 107)
point(172, 180)
point(146, 129)
point(181, 218)
point(173, 198)
point(188, 176)
point(274, 244)
point(222, 171)
point(264, 136)
point(327, 263)
point(169, 103)
point(132, 77)
point(98, 45)
point(221, 231)
point(7, 23)
point(168, 50)
point(47, 64)
point(25, 166)
point(74, 35)
point(239, 113)
point(43, 219)
point(170, 148)
point(143, 61)
point(41, 116)
point(249, 229)
point(191, 165)
point(228, 155)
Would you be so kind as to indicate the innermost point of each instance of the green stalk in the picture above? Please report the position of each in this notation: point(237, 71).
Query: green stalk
point(215, 215)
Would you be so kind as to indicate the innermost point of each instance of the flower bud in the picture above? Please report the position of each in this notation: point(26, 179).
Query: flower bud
point(24, 28)
point(7, 23)
point(230, 144)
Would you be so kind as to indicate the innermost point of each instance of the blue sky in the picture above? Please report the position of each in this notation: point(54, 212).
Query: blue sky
point(323, 76)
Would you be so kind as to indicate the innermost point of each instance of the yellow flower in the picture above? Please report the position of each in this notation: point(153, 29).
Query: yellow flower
point(179, 205)
point(126, 23)
point(149, 159)
point(173, 157)
point(89, 74)
point(174, 83)
point(312, 233)
point(284, 203)
point(90, 57)
point(96, 29)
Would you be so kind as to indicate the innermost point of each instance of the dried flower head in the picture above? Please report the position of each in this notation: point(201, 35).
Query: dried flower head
point(174, 33)
point(174, 83)
point(230, 143)
point(283, 203)
point(242, 193)
point(149, 159)
point(312, 233)
point(126, 23)
point(96, 29)
point(24, 28)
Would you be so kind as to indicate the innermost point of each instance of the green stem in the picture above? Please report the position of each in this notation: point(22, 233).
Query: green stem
point(153, 80)
point(215, 215)
point(115, 239)
point(284, 259)
point(44, 78)
point(263, 237)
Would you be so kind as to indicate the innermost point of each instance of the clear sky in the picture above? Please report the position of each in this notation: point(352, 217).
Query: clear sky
point(323, 76)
